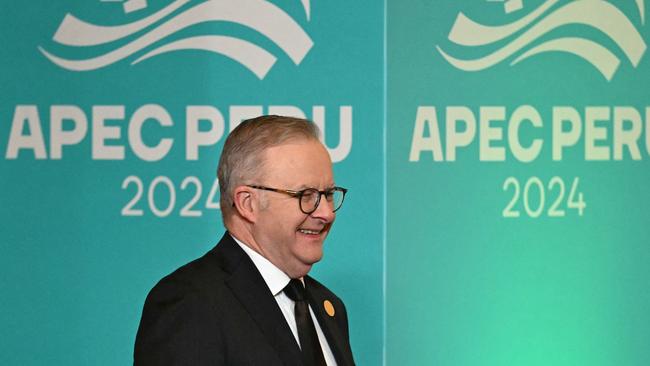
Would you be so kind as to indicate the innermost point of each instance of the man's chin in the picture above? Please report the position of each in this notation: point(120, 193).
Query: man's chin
point(300, 270)
point(311, 258)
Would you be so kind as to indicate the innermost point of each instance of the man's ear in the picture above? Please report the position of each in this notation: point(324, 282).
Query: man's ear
point(245, 203)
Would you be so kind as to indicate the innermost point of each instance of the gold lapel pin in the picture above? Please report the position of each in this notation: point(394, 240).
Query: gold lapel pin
point(329, 308)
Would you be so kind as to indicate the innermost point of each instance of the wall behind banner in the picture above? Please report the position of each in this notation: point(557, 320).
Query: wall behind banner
point(108, 174)
point(496, 155)
point(518, 149)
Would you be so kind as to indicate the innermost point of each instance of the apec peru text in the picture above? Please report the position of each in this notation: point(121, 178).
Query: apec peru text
point(495, 133)
point(150, 132)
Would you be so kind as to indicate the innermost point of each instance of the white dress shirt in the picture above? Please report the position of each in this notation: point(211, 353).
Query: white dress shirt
point(276, 280)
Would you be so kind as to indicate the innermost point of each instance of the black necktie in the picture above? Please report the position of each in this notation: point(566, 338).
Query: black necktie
point(312, 353)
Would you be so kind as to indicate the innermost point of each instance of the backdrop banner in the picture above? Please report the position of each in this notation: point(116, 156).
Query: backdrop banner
point(495, 151)
point(518, 150)
point(112, 116)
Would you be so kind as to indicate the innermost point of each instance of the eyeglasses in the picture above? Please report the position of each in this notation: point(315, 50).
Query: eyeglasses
point(309, 198)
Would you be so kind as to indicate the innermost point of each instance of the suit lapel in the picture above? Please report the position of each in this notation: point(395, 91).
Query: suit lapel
point(250, 289)
point(337, 340)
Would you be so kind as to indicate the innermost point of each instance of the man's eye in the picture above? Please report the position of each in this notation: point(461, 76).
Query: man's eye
point(309, 194)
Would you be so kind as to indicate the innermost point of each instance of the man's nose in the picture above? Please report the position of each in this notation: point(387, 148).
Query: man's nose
point(324, 210)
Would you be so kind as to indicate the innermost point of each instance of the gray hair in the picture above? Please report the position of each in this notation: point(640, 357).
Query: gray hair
point(241, 157)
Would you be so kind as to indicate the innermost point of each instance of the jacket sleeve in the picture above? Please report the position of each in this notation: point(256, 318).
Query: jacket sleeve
point(178, 328)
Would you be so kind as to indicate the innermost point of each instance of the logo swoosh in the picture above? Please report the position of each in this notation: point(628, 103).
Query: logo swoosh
point(275, 24)
point(600, 57)
point(600, 15)
point(467, 32)
point(253, 57)
point(76, 32)
point(640, 4)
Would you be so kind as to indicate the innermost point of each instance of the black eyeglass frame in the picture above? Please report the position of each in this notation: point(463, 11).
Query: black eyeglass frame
point(299, 194)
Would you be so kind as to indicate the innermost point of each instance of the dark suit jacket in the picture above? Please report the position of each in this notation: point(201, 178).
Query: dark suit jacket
point(217, 310)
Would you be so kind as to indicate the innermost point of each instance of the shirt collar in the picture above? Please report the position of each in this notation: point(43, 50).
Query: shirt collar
point(275, 279)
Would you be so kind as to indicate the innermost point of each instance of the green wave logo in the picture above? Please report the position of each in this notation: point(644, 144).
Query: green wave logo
point(549, 16)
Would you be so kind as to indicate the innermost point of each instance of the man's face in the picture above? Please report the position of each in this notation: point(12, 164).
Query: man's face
point(289, 238)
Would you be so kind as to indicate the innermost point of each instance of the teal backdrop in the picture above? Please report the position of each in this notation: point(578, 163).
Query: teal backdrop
point(496, 156)
point(76, 264)
point(477, 105)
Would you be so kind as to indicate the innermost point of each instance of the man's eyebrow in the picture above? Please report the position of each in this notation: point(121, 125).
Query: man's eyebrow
point(304, 186)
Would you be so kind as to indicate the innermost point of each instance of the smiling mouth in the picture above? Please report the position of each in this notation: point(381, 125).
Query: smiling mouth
point(311, 231)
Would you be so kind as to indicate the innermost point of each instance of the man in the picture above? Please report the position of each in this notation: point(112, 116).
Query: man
point(243, 303)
